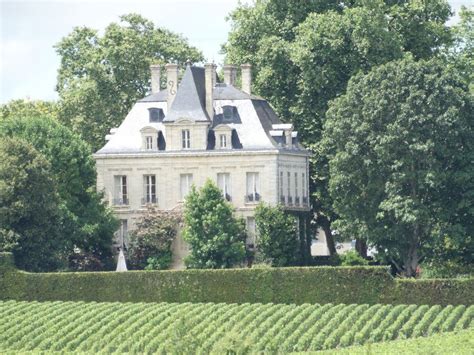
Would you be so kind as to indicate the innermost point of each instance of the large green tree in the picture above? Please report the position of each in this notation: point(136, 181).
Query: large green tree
point(216, 237)
point(400, 144)
point(27, 108)
point(31, 223)
point(88, 223)
point(101, 76)
point(304, 52)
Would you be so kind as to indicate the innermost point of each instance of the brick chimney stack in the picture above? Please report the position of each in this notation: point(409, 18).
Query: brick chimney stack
point(230, 74)
point(246, 78)
point(210, 77)
point(155, 70)
point(171, 82)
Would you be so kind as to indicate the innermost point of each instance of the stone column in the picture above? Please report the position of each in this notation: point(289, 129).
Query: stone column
point(246, 78)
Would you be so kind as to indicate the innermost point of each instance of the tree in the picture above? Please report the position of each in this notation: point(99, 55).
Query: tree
point(150, 242)
point(216, 237)
point(30, 218)
point(400, 144)
point(304, 53)
point(277, 235)
point(28, 108)
point(88, 223)
point(101, 77)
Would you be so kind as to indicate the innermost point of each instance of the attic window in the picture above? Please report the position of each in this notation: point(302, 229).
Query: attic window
point(229, 112)
point(156, 114)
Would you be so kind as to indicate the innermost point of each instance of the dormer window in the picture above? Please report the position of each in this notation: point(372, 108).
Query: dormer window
point(156, 114)
point(223, 140)
point(186, 139)
point(229, 112)
point(148, 142)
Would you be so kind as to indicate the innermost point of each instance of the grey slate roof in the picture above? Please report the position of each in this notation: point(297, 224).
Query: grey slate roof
point(190, 100)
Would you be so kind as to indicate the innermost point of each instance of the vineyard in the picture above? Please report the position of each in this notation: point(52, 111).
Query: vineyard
point(208, 327)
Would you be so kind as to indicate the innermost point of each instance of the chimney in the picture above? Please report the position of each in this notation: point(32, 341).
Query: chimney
point(246, 78)
point(155, 78)
point(210, 73)
point(171, 82)
point(230, 73)
point(289, 138)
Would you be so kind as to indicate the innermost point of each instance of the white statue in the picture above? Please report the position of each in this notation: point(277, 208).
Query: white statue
point(121, 264)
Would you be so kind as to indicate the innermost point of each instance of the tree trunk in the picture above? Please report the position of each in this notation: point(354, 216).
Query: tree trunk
point(326, 225)
point(361, 247)
point(411, 262)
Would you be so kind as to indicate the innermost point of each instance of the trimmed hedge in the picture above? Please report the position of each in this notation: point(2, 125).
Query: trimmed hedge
point(277, 285)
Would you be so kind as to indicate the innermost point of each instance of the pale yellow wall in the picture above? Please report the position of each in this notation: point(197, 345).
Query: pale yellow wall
point(198, 133)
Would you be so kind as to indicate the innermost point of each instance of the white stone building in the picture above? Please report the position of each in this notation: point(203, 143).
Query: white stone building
point(202, 130)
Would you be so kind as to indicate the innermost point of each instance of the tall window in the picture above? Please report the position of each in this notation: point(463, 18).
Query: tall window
point(186, 180)
point(121, 193)
point(297, 195)
point(186, 138)
point(282, 194)
point(253, 187)
point(223, 140)
point(288, 188)
point(303, 188)
point(223, 181)
point(149, 185)
point(149, 142)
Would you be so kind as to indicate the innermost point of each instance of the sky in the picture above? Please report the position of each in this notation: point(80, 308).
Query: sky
point(29, 30)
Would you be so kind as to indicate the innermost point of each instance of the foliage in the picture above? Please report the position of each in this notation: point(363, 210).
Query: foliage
point(29, 108)
point(456, 343)
point(277, 235)
point(448, 269)
point(216, 237)
point(150, 242)
point(357, 284)
point(86, 221)
point(101, 77)
point(352, 258)
point(196, 328)
point(30, 219)
point(304, 53)
point(400, 148)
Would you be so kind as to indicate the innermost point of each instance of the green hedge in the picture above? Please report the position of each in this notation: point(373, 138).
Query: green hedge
point(278, 285)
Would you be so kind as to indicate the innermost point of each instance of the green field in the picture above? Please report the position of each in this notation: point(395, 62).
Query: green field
point(206, 327)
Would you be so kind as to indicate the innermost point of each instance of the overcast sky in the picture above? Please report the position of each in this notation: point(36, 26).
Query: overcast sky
point(29, 29)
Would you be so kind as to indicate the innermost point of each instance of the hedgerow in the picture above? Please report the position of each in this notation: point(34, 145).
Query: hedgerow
point(79, 327)
point(293, 285)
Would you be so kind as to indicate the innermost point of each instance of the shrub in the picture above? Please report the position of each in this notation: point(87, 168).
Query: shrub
point(352, 258)
point(150, 242)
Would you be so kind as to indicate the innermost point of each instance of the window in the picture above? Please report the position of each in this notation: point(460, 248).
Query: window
point(186, 138)
point(288, 189)
point(223, 140)
point(149, 142)
point(282, 194)
point(123, 234)
point(121, 193)
point(186, 180)
point(303, 188)
point(297, 195)
point(253, 188)
point(149, 185)
point(251, 232)
point(223, 181)
point(156, 114)
point(229, 112)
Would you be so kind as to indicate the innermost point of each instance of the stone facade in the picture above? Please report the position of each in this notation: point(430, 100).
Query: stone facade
point(243, 147)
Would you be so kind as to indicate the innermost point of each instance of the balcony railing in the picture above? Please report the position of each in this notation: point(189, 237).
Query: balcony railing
point(253, 197)
point(120, 201)
point(149, 200)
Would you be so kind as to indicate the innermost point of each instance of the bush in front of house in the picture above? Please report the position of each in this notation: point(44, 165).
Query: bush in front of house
point(150, 242)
